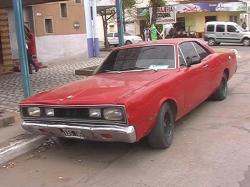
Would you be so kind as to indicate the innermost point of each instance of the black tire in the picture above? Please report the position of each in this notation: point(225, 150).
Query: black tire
point(246, 42)
point(211, 42)
point(221, 93)
point(161, 135)
point(128, 42)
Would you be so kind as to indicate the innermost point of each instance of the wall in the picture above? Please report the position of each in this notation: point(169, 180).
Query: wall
point(196, 21)
point(5, 40)
point(61, 47)
point(66, 42)
point(62, 26)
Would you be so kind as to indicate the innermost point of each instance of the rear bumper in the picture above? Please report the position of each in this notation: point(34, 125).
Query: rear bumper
point(107, 133)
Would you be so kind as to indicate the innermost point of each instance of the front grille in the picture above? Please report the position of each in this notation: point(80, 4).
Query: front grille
point(69, 114)
point(75, 113)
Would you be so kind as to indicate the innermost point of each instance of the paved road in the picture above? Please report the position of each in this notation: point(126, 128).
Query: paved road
point(211, 148)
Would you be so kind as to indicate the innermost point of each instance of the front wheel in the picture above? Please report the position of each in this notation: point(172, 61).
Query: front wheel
point(161, 135)
point(211, 42)
point(221, 93)
point(246, 42)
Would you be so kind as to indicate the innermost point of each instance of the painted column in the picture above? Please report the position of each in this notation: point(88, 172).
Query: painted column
point(120, 24)
point(91, 28)
point(18, 11)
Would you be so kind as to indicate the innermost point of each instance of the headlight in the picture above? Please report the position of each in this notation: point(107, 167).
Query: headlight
point(113, 114)
point(34, 111)
point(50, 112)
point(95, 113)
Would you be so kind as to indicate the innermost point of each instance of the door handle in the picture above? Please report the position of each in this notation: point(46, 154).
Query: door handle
point(205, 66)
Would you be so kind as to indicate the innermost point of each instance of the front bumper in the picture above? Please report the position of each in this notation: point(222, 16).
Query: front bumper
point(104, 133)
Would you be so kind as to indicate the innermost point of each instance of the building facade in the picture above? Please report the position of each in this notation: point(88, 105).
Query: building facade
point(60, 30)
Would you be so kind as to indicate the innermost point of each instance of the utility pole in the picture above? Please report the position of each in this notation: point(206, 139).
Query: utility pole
point(90, 17)
point(120, 24)
point(18, 11)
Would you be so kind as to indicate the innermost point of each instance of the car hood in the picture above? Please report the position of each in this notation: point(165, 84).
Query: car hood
point(105, 88)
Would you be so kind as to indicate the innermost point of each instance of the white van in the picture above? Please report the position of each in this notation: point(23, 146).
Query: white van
point(217, 32)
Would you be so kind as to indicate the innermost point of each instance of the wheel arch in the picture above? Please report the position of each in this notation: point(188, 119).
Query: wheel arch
point(245, 37)
point(226, 72)
point(173, 106)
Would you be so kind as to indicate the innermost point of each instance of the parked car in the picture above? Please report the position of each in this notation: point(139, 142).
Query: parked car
point(139, 90)
point(128, 39)
point(217, 32)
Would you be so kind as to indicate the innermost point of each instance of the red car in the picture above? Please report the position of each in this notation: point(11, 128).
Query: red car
point(138, 91)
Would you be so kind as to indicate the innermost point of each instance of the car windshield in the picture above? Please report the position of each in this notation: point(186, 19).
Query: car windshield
point(239, 28)
point(150, 57)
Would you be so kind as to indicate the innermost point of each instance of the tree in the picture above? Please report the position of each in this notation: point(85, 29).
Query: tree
point(107, 13)
point(154, 4)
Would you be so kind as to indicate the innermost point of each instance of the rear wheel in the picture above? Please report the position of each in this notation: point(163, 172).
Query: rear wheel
point(211, 42)
point(128, 42)
point(221, 93)
point(161, 135)
point(246, 42)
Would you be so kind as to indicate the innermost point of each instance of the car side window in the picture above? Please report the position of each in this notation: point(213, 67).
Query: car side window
point(210, 28)
point(116, 35)
point(231, 28)
point(110, 35)
point(182, 61)
point(201, 50)
point(220, 28)
point(189, 52)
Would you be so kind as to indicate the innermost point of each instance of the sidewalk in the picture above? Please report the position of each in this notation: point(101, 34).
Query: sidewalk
point(11, 92)
point(14, 140)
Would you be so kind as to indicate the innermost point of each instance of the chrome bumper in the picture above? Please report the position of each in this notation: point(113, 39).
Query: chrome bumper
point(107, 133)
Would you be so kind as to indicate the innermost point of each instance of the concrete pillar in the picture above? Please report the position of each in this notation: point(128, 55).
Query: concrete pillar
point(91, 28)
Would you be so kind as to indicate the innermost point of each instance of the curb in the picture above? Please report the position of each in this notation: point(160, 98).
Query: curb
point(19, 148)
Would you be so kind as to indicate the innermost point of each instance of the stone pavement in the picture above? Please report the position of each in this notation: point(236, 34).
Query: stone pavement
point(11, 92)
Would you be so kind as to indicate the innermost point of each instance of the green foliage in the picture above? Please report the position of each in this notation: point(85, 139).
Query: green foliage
point(128, 4)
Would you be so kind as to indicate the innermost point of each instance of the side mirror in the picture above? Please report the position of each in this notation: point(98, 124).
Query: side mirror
point(193, 60)
point(189, 61)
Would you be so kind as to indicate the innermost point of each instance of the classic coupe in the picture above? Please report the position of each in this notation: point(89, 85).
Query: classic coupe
point(140, 90)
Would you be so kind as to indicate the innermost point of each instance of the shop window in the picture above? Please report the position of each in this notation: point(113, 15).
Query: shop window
point(64, 10)
point(220, 28)
point(49, 25)
point(210, 18)
point(210, 28)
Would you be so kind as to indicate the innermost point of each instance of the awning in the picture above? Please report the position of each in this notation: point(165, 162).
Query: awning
point(8, 3)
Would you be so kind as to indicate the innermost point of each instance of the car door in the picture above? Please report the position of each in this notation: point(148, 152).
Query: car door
point(196, 77)
point(233, 34)
point(220, 33)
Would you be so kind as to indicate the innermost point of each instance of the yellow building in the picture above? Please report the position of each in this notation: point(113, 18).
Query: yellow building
point(191, 17)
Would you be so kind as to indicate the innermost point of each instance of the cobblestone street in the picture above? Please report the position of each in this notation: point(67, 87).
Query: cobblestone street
point(11, 91)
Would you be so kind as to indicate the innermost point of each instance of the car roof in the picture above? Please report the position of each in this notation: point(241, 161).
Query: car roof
point(221, 22)
point(172, 41)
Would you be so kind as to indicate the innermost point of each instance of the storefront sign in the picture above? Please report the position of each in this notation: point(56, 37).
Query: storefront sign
point(212, 7)
point(166, 14)
point(201, 7)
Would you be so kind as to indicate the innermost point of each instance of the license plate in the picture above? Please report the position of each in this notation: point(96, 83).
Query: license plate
point(73, 133)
